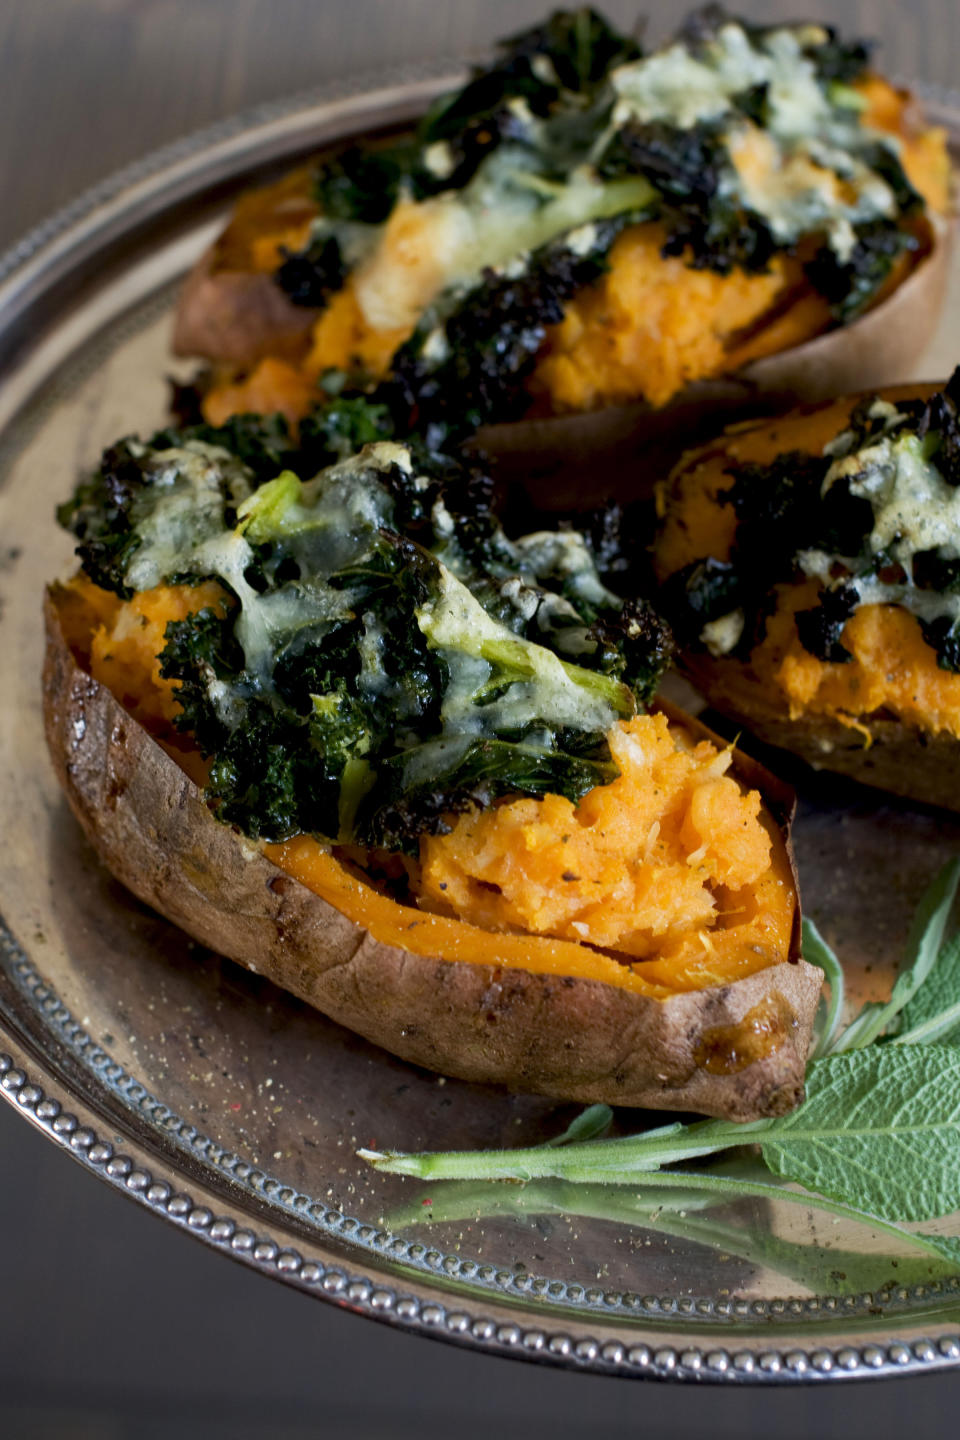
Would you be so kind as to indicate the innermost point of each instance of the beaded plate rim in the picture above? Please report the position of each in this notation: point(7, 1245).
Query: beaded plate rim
point(27, 1084)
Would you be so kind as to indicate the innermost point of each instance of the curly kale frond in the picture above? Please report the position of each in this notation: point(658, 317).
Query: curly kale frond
point(200, 651)
point(704, 221)
point(943, 636)
point(820, 629)
point(838, 61)
point(781, 510)
point(361, 182)
point(491, 340)
point(939, 428)
point(476, 773)
point(572, 51)
point(700, 593)
point(309, 277)
point(849, 285)
point(261, 442)
point(99, 515)
point(636, 646)
point(342, 426)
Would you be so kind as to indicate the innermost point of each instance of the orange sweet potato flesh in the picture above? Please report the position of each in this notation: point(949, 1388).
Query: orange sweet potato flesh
point(533, 1013)
point(653, 357)
point(891, 717)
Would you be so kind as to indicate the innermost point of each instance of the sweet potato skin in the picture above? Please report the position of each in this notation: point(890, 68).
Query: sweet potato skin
point(576, 1039)
point(896, 758)
point(237, 317)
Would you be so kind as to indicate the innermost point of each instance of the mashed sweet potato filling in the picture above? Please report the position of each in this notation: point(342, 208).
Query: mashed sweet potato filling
point(633, 867)
point(647, 329)
point(670, 878)
point(893, 669)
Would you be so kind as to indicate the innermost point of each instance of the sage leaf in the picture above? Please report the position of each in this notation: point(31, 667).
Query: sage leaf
point(590, 1123)
point(934, 1012)
point(817, 952)
point(880, 1130)
point(923, 946)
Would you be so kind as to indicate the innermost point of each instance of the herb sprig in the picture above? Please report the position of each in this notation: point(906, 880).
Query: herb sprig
point(877, 1139)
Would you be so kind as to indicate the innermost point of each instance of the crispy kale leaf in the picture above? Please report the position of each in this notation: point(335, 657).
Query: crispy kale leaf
point(939, 428)
point(794, 522)
point(389, 655)
point(691, 169)
point(260, 442)
point(99, 515)
point(850, 285)
point(466, 369)
point(310, 276)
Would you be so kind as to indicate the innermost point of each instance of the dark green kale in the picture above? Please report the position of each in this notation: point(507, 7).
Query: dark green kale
point(341, 427)
point(268, 779)
point(781, 510)
point(491, 341)
point(839, 61)
point(99, 515)
point(309, 277)
point(571, 52)
point(477, 772)
point(262, 442)
point(939, 429)
point(883, 159)
point(932, 570)
point(361, 182)
point(199, 650)
point(689, 166)
point(943, 635)
point(820, 628)
point(636, 646)
point(850, 285)
point(701, 592)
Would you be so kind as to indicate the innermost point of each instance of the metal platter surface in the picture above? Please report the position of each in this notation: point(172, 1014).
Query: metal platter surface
point(234, 1111)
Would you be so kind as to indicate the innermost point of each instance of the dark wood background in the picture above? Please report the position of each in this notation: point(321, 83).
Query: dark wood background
point(111, 1325)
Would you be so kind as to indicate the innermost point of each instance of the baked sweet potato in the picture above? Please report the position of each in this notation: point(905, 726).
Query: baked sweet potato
point(844, 660)
point(526, 1012)
point(589, 267)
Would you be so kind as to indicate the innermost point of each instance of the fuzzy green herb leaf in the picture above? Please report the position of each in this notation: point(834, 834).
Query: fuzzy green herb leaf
point(817, 952)
point(923, 946)
point(933, 1015)
point(879, 1131)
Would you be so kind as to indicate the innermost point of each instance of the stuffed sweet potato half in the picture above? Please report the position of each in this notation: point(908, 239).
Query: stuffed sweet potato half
point(349, 734)
point(585, 227)
point(811, 569)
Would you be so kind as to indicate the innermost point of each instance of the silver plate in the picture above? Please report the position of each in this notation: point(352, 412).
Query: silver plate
point(234, 1111)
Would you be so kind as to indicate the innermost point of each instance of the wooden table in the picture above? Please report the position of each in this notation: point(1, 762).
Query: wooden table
point(111, 1325)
